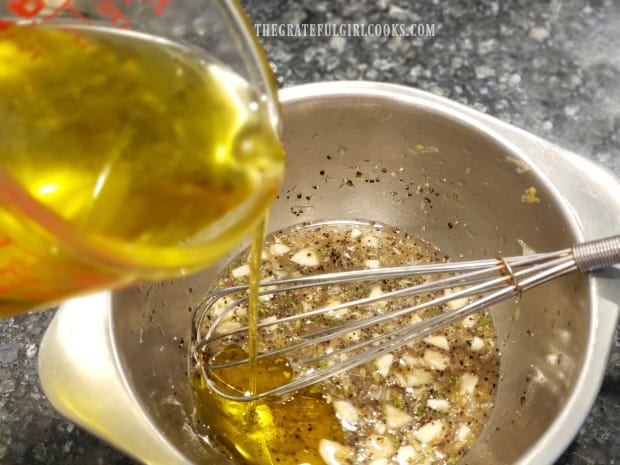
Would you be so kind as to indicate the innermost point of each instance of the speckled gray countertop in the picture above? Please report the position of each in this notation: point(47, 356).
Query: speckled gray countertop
point(551, 67)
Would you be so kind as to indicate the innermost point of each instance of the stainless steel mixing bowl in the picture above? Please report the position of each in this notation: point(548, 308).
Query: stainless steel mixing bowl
point(115, 362)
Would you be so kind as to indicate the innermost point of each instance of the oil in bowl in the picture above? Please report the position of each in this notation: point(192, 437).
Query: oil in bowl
point(424, 403)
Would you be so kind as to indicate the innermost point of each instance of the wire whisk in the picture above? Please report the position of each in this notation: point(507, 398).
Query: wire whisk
point(322, 342)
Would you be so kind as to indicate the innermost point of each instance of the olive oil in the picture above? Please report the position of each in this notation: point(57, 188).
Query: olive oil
point(258, 240)
point(146, 160)
point(268, 431)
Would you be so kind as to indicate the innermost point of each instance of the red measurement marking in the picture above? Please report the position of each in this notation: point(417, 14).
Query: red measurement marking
point(23, 250)
point(15, 276)
point(26, 8)
point(67, 6)
point(160, 5)
point(5, 23)
point(31, 8)
point(107, 9)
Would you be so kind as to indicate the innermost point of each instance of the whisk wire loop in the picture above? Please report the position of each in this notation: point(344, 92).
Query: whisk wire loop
point(459, 289)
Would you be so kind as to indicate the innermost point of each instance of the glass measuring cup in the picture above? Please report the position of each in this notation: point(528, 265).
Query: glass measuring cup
point(138, 141)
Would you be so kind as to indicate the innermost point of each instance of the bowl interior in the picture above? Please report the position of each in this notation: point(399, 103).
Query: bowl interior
point(428, 171)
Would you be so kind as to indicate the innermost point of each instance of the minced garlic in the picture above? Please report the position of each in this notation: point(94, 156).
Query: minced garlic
point(529, 196)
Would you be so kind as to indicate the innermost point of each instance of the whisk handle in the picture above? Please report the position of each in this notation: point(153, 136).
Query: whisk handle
point(600, 253)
